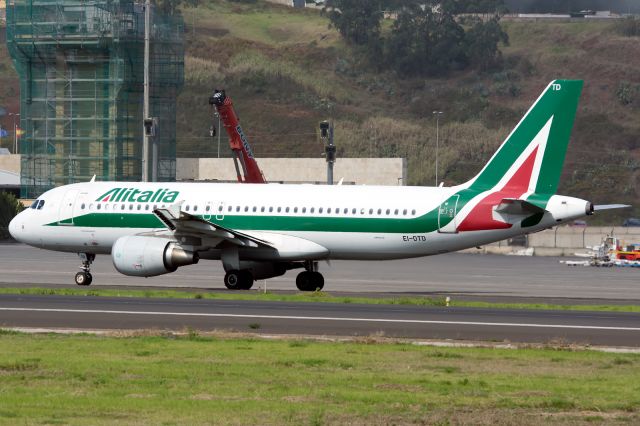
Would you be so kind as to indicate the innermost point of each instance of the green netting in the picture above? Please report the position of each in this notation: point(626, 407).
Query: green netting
point(81, 76)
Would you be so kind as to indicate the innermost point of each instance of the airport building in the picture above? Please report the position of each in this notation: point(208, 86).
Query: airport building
point(81, 89)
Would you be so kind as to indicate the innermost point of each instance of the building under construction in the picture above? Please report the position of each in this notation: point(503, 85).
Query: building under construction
point(81, 67)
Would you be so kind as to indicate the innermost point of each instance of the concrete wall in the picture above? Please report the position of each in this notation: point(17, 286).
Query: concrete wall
point(362, 171)
point(580, 237)
point(10, 163)
point(564, 240)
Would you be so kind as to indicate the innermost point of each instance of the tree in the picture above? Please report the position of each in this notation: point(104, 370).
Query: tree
point(483, 39)
point(426, 39)
point(358, 21)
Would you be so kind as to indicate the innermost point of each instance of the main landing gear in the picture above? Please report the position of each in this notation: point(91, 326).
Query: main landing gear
point(311, 279)
point(238, 280)
point(84, 277)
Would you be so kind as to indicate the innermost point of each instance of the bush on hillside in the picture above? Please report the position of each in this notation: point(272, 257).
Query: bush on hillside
point(9, 208)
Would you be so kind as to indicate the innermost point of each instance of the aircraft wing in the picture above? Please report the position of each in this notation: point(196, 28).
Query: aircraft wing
point(186, 224)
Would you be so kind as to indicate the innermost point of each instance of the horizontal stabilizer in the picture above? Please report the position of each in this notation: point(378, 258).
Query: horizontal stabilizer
point(512, 206)
point(610, 206)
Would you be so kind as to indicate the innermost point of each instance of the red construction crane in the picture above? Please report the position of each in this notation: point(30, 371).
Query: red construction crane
point(237, 140)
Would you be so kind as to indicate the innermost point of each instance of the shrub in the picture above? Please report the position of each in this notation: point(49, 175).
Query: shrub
point(9, 208)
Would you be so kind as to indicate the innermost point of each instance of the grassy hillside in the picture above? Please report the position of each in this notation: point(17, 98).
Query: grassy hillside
point(286, 71)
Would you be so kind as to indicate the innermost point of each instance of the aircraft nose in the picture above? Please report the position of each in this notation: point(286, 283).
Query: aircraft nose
point(14, 227)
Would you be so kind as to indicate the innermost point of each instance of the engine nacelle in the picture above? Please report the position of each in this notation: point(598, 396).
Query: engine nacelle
point(140, 256)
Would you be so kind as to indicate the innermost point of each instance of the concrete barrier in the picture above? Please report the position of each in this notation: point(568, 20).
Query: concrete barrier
point(361, 171)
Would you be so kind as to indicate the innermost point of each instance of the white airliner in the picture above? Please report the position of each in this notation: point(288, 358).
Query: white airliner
point(261, 231)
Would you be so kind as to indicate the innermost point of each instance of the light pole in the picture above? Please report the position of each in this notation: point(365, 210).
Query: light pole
point(437, 114)
point(15, 132)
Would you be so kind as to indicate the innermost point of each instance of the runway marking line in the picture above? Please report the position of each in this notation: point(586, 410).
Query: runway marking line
point(292, 317)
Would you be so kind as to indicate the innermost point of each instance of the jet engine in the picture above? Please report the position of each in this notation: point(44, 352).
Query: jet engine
point(141, 256)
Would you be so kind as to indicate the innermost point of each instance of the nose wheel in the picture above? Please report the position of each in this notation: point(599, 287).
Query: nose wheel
point(84, 277)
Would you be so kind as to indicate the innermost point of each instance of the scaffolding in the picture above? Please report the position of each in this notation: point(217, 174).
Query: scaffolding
point(81, 89)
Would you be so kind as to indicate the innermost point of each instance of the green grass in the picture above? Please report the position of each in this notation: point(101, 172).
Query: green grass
point(319, 296)
point(195, 379)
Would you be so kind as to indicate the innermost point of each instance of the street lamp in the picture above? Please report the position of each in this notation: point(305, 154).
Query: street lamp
point(15, 131)
point(437, 114)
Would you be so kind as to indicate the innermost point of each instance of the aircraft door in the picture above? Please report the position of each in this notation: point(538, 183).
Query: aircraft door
point(220, 211)
point(447, 215)
point(65, 212)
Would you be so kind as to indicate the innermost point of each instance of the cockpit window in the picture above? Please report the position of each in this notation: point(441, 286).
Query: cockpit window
point(37, 204)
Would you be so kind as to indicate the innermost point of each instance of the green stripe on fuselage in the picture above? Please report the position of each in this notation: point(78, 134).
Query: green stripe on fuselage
point(422, 224)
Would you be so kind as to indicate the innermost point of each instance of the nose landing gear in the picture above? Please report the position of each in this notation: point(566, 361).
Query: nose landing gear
point(84, 277)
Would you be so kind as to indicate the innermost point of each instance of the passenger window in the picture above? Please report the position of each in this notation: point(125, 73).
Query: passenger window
point(295, 210)
point(155, 206)
point(304, 210)
point(388, 211)
point(413, 212)
point(146, 207)
point(404, 212)
point(320, 210)
point(286, 210)
point(230, 208)
point(345, 211)
point(255, 209)
point(237, 209)
point(279, 209)
point(246, 208)
point(186, 208)
point(353, 211)
point(122, 207)
point(270, 209)
point(262, 209)
point(207, 208)
point(328, 210)
point(311, 211)
point(220, 208)
point(370, 211)
point(361, 211)
point(82, 206)
point(379, 211)
point(195, 208)
point(98, 206)
point(130, 206)
point(139, 207)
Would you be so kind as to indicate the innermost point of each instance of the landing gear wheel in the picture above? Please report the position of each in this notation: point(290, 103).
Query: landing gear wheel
point(84, 278)
point(310, 281)
point(238, 280)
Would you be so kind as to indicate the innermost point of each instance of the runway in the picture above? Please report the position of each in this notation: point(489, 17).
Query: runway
point(487, 276)
point(327, 319)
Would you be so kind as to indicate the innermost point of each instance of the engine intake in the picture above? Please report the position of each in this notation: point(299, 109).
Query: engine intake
point(140, 256)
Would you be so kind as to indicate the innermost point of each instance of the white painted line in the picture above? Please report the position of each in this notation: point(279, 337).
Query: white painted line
point(310, 318)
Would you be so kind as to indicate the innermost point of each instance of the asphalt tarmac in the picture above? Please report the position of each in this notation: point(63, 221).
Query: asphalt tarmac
point(491, 277)
point(327, 319)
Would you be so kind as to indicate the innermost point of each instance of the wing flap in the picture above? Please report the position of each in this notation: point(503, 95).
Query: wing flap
point(184, 223)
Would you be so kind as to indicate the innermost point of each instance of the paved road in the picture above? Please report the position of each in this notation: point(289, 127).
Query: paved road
point(456, 274)
point(619, 329)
